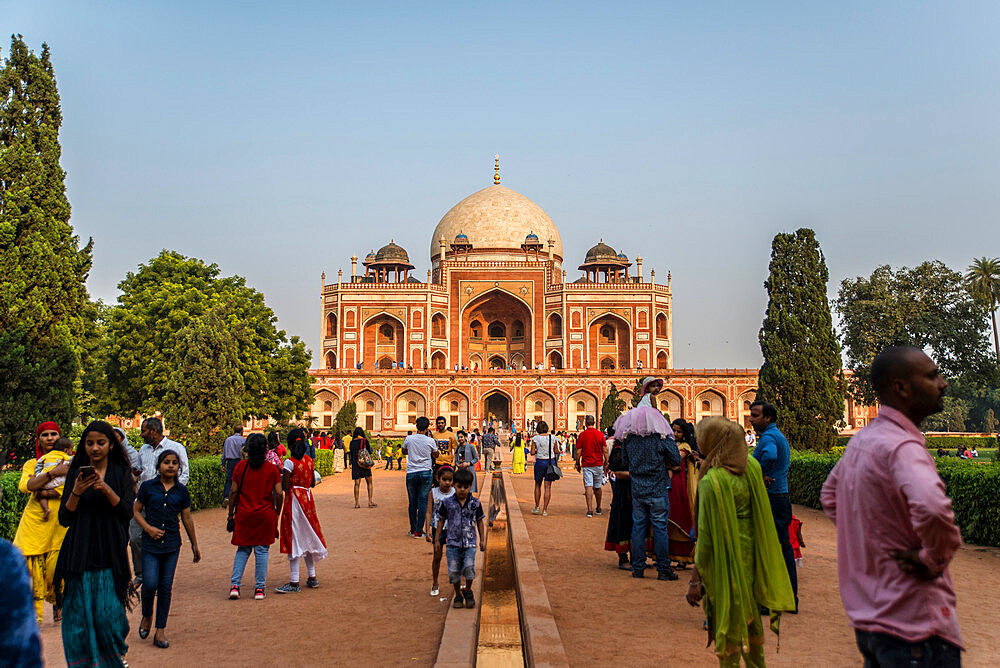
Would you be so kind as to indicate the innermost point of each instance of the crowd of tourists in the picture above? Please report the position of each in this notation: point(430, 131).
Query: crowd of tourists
point(691, 498)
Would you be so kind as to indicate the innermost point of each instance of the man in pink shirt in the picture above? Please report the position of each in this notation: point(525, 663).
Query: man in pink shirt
point(896, 532)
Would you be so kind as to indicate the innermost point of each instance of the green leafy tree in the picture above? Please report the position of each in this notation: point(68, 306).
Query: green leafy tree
point(611, 408)
point(43, 297)
point(927, 306)
point(636, 392)
point(801, 370)
point(990, 422)
point(346, 420)
point(167, 295)
point(983, 277)
point(205, 391)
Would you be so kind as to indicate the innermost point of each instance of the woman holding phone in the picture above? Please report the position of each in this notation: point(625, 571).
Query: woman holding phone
point(92, 574)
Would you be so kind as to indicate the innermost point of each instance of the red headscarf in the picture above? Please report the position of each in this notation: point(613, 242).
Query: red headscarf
point(45, 426)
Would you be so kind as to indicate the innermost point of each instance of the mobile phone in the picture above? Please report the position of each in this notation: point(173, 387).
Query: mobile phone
point(87, 471)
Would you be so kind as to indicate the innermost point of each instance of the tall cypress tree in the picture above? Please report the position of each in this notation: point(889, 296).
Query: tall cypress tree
point(801, 374)
point(611, 408)
point(43, 297)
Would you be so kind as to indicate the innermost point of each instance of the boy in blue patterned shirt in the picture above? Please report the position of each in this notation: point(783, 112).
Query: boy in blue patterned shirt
point(464, 516)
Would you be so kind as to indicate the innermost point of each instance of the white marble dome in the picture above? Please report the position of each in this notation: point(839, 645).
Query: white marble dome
point(497, 219)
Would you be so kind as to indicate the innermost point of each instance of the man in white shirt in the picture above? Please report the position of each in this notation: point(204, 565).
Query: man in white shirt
point(421, 452)
point(155, 443)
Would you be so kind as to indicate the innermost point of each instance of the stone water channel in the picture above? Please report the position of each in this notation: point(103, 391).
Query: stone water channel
point(500, 642)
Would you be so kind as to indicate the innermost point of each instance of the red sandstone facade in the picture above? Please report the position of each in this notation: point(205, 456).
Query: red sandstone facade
point(496, 331)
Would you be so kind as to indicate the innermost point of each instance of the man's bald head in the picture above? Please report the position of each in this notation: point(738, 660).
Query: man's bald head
point(907, 379)
point(893, 363)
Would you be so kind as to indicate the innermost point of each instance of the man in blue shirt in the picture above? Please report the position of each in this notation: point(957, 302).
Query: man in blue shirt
point(773, 454)
point(232, 453)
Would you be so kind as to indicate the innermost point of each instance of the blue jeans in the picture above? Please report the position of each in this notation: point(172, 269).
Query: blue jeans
point(881, 650)
point(781, 509)
point(418, 486)
point(461, 562)
point(228, 486)
point(646, 511)
point(260, 554)
point(157, 581)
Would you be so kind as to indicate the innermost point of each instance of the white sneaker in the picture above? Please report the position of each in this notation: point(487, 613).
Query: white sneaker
point(435, 592)
point(545, 513)
point(534, 511)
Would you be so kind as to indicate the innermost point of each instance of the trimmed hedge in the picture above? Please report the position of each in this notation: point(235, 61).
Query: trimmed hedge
point(974, 488)
point(324, 461)
point(12, 504)
point(945, 442)
point(206, 482)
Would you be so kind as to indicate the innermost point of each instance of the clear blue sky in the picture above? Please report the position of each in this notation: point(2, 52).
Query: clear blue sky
point(277, 138)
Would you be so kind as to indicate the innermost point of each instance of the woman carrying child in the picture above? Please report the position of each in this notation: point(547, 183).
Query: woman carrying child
point(441, 490)
point(301, 535)
point(39, 534)
point(163, 498)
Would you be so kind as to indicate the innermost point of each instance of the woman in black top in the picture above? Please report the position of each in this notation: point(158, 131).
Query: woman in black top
point(619, 536)
point(92, 575)
point(359, 442)
point(162, 498)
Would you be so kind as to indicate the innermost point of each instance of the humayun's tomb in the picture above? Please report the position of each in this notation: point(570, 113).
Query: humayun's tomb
point(496, 329)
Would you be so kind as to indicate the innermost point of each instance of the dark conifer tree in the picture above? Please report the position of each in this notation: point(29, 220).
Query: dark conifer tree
point(801, 374)
point(611, 408)
point(44, 307)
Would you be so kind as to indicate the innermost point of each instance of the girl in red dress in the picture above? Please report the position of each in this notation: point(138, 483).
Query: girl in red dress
point(253, 507)
point(301, 535)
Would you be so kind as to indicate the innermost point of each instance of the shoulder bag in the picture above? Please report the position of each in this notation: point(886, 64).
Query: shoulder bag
point(554, 472)
point(364, 456)
point(231, 520)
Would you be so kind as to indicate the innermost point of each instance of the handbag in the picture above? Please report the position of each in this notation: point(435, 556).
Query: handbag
point(364, 457)
point(554, 472)
point(231, 520)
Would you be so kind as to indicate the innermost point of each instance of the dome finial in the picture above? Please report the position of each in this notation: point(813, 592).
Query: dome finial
point(496, 169)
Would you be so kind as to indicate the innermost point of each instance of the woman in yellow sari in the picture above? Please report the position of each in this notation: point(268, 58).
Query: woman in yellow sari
point(518, 457)
point(738, 563)
point(37, 537)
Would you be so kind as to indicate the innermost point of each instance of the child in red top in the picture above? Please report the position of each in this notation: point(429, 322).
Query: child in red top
point(795, 537)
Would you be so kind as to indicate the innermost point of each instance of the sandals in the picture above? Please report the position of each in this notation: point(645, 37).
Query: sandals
point(373, 505)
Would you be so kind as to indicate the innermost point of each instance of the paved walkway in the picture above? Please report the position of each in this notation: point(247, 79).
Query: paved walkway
point(372, 607)
point(604, 614)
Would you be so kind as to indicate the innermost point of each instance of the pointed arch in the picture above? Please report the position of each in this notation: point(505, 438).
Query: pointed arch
point(661, 360)
point(579, 405)
point(331, 325)
point(540, 405)
point(439, 361)
point(661, 326)
point(555, 325)
point(369, 405)
point(708, 403)
point(555, 360)
point(439, 326)
point(409, 406)
point(331, 360)
point(671, 403)
point(454, 406)
point(325, 407)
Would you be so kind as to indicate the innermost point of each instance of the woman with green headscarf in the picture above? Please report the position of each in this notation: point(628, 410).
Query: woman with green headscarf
point(738, 563)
